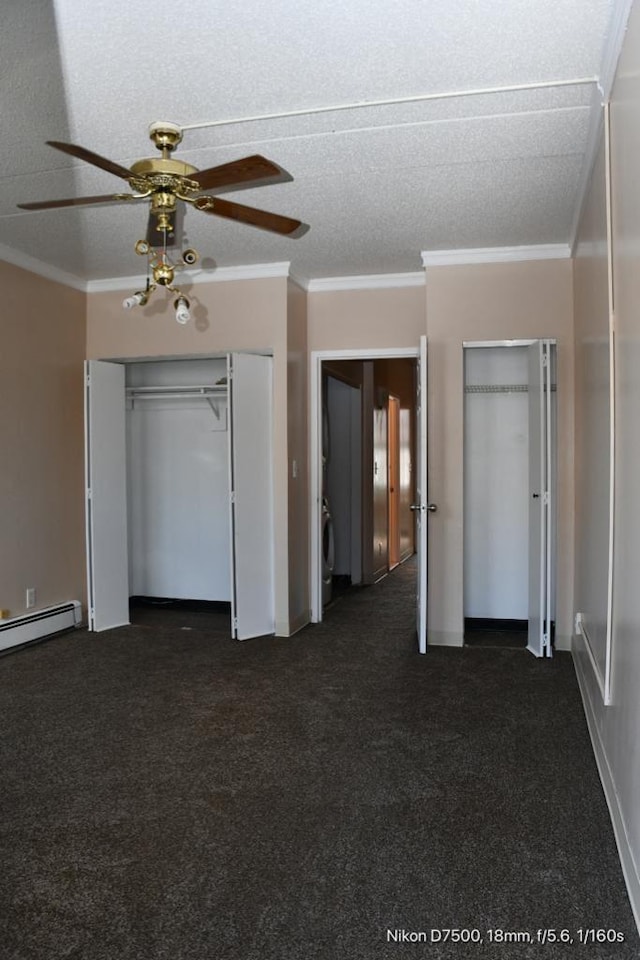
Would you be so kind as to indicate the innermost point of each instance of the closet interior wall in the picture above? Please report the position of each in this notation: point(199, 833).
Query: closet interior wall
point(496, 483)
point(178, 479)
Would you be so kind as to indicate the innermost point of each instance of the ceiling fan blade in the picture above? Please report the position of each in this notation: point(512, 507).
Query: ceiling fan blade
point(73, 202)
point(81, 153)
point(245, 171)
point(256, 218)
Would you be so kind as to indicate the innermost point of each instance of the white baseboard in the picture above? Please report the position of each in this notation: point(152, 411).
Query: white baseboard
point(451, 638)
point(629, 866)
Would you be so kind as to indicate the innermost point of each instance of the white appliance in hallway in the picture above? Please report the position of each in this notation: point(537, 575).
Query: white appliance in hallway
point(342, 483)
point(328, 552)
point(327, 534)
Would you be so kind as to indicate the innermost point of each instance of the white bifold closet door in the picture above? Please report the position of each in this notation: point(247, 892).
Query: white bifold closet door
point(541, 507)
point(106, 495)
point(250, 495)
point(251, 484)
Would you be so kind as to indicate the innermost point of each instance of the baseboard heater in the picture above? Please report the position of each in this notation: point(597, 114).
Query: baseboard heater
point(39, 624)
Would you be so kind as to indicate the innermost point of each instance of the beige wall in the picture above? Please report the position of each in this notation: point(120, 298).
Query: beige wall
point(490, 302)
point(366, 319)
point(481, 302)
point(621, 725)
point(231, 315)
point(615, 729)
point(42, 339)
point(298, 391)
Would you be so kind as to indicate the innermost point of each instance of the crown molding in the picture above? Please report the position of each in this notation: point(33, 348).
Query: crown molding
point(259, 271)
point(254, 271)
point(19, 259)
point(374, 281)
point(608, 66)
point(445, 258)
point(301, 282)
point(595, 135)
point(613, 45)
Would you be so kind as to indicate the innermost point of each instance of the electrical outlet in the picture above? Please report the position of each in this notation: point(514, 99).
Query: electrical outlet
point(30, 598)
point(579, 622)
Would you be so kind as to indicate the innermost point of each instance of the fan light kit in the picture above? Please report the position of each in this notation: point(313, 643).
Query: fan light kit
point(165, 182)
point(163, 272)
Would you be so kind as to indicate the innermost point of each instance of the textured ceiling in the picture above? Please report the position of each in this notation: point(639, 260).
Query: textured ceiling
point(377, 184)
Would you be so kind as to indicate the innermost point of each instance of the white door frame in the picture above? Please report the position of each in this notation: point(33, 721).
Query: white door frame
point(315, 452)
point(421, 505)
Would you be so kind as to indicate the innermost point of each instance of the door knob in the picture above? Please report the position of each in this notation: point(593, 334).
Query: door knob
point(432, 507)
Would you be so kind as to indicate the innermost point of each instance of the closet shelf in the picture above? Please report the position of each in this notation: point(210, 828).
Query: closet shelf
point(496, 388)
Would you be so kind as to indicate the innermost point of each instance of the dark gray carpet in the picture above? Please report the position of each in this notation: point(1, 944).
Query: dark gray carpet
point(168, 794)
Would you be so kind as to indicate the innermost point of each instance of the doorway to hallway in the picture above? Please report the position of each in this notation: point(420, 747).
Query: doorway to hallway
point(365, 469)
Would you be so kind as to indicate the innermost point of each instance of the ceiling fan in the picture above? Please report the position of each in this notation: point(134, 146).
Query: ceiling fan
point(165, 181)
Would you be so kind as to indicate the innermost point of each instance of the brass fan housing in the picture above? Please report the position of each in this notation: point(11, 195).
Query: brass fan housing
point(165, 178)
point(152, 166)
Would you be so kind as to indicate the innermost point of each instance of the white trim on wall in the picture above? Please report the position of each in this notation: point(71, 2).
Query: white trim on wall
point(612, 406)
point(613, 45)
point(582, 629)
point(588, 163)
point(610, 55)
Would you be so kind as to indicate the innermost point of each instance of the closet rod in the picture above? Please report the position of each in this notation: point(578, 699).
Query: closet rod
point(188, 390)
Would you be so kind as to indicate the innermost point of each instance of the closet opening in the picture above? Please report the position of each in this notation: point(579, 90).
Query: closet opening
point(510, 494)
point(179, 490)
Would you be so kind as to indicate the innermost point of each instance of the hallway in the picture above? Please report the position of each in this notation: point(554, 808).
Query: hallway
point(174, 795)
